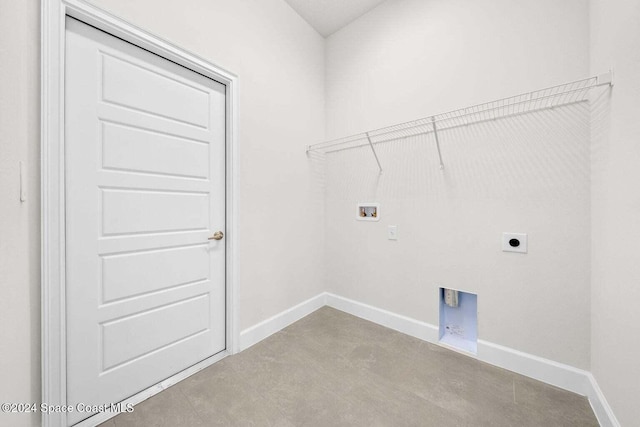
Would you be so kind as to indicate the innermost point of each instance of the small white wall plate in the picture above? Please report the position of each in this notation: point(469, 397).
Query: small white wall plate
point(514, 242)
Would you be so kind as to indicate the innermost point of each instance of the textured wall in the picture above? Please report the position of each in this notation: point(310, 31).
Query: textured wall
point(19, 221)
point(615, 42)
point(410, 58)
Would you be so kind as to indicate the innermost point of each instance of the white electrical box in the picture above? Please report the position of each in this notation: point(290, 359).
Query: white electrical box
point(514, 242)
point(392, 232)
point(368, 212)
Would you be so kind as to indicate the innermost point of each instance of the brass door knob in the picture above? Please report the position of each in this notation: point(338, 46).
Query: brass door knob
point(218, 235)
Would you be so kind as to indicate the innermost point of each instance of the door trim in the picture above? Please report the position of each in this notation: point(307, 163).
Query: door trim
point(53, 353)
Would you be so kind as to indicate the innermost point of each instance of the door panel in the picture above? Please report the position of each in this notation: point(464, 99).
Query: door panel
point(140, 272)
point(144, 181)
point(138, 330)
point(142, 88)
point(124, 148)
point(136, 210)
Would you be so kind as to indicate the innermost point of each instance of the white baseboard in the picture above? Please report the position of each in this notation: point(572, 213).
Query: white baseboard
point(600, 406)
point(406, 325)
point(270, 326)
point(548, 371)
point(557, 374)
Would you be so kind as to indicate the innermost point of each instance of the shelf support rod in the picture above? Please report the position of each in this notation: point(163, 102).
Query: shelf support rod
point(435, 133)
point(374, 152)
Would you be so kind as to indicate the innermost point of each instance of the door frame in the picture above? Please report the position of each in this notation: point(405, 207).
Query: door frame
point(53, 310)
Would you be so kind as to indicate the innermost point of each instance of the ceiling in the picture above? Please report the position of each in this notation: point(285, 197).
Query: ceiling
point(328, 16)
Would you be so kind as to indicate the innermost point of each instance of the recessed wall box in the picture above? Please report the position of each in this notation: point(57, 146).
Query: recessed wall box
point(368, 212)
point(459, 320)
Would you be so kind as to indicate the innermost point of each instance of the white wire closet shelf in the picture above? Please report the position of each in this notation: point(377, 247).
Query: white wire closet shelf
point(548, 98)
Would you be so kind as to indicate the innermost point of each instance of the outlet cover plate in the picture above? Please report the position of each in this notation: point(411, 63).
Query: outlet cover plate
point(392, 232)
point(514, 242)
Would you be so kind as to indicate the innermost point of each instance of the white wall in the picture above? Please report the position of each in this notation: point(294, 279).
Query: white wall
point(279, 59)
point(410, 58)
point(19, 222)
point(615, 41)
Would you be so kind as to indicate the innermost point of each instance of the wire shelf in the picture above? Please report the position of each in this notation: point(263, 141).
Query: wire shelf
point(551, 97)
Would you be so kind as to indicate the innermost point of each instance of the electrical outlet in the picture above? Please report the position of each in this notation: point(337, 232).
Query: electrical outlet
point(514, 242)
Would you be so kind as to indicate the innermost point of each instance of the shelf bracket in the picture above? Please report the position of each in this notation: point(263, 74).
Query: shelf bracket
point(435, 133)
point(374, 152)
point(605, 79)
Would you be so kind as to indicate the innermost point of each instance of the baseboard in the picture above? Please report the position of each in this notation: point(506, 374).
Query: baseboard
point(270, 326)
point(406, 325)
point(548, 371)
point(600, 406)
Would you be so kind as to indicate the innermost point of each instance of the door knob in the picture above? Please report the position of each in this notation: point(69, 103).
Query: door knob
point(218, 235)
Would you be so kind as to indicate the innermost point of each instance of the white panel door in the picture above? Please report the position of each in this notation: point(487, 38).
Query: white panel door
point(145, 189)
